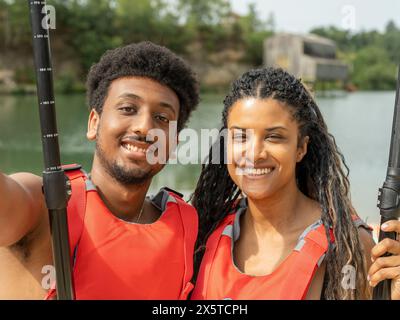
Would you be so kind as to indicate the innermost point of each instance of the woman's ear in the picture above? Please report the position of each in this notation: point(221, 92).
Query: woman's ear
point(93, 124)
point(302, 149)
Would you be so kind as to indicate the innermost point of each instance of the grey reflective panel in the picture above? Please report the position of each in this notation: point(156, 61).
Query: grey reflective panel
point(90, 185)
point(300, 245)
point(170, 199)
point(312, 227)
point(228, 231)
point(321, 259)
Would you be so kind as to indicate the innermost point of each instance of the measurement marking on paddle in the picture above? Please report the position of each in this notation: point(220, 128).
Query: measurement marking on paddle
point(45, 69)
point(50, 135)
point(47, 102)
point(40, 36)
point(53, 168)
point(38, 2)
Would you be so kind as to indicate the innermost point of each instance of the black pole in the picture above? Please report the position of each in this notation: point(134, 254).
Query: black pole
point(54, 181)
point(389, 194)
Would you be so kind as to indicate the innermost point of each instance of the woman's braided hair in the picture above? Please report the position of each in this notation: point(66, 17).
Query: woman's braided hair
point(322, 175)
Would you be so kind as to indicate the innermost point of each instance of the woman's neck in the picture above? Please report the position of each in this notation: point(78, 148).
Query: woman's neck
point(284, 211)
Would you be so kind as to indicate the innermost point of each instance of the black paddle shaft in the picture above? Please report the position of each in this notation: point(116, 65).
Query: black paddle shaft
point(54, 180)
point(389, 194)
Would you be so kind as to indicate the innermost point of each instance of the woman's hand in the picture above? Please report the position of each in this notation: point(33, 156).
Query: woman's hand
point(384, 268)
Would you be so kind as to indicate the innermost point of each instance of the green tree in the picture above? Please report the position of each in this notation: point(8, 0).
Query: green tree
point(255, 31)
point(15, 25)
point(205, 12)
point(90, 27)
point(391, 40)
point(206, 22)
point(373, 70)
point(149, 20)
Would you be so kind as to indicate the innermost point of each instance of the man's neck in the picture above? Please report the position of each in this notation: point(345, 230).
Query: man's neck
point(124, 201)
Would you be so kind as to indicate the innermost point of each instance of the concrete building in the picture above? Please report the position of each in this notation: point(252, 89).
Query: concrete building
point(309, 57)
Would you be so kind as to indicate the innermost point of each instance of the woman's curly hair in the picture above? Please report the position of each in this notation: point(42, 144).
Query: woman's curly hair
point(322, 175)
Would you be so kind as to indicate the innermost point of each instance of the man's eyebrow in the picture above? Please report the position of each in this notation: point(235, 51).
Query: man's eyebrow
point(136, 97)
point(167, 105)
point(130, 95)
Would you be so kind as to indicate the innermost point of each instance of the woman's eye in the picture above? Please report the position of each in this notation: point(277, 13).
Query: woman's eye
point(239, 137)
point(273, 137)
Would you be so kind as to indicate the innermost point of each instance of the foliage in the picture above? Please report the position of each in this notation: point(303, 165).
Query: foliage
point(374, 56)
point(85, 29)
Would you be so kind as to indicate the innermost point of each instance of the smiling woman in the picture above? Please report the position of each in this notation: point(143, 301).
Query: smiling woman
point(276, 219)
point(262, 157)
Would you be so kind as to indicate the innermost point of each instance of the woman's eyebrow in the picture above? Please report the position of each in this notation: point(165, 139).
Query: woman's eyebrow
point(237, 128)
point(267, 129)
point(276, 128)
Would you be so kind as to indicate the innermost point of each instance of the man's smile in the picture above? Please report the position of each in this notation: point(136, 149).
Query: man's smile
point(135, 148)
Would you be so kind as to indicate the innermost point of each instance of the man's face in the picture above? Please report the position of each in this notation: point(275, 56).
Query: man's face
point(133, 107)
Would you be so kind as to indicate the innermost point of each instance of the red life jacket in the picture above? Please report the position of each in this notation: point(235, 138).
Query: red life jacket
point(220, 279)
point(115, 259)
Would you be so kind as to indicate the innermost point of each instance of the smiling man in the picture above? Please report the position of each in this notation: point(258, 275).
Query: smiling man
point(124, 244)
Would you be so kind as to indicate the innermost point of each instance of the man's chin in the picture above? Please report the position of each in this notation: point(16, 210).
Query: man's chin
point(130, 176)
point(133, 173)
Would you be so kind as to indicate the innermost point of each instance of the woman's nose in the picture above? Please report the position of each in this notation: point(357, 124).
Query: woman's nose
point(256, 151)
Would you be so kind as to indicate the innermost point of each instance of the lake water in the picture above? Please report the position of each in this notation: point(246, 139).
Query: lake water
point(361, 123)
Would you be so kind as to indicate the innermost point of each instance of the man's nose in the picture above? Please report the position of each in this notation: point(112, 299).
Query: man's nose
point(142, 124)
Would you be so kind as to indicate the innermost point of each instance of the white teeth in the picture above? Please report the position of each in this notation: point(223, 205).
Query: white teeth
point(134, 148)
point(256, 172)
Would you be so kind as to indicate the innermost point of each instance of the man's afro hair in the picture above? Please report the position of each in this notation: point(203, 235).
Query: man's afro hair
point(144, 59)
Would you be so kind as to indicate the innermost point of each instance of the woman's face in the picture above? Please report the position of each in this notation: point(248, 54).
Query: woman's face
point(263, 146)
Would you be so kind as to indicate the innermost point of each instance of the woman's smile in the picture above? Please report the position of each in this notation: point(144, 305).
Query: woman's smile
point(254, 173)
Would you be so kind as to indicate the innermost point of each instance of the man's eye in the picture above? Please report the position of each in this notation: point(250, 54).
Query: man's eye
point(127, 109)
point(162, 118)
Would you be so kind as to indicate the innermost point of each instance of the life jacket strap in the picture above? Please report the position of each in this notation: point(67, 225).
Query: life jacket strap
point(308, 257)
point(75, 212)
point(190, 227)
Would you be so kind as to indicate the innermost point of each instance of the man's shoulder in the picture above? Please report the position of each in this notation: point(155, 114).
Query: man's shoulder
point(165, 195)
point(28, 180)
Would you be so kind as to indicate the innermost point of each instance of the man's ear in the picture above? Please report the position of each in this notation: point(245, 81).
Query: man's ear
point(93, 124)
point(302, 149)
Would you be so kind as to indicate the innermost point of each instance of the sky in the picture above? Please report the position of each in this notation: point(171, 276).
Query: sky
point(302, 15)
